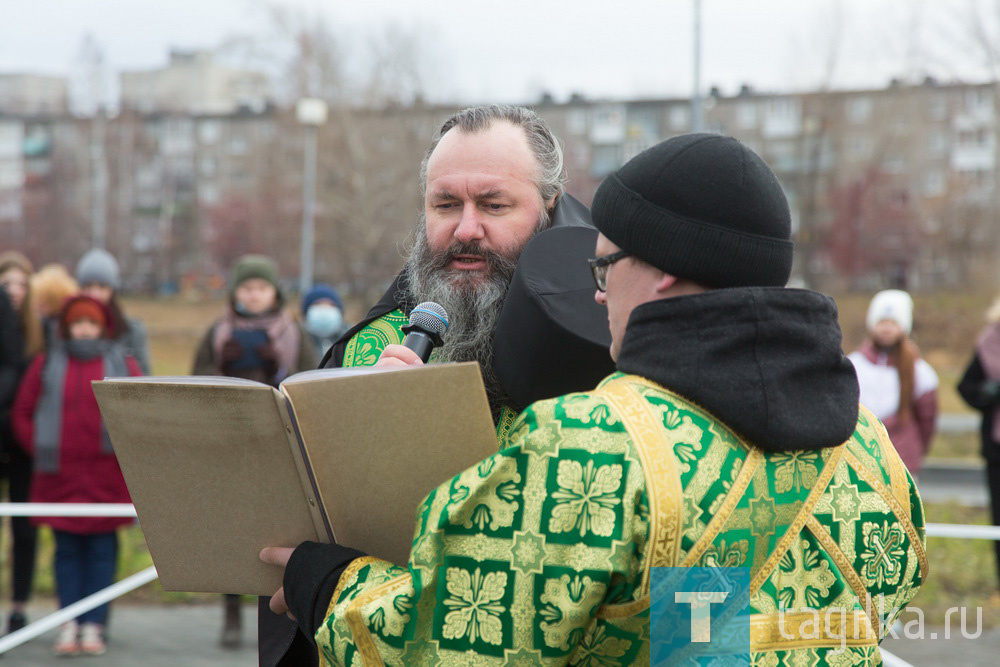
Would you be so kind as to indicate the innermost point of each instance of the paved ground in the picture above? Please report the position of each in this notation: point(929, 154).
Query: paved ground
point(165, 636)
point(152, 636)
point(960, 481)
point(982, 651)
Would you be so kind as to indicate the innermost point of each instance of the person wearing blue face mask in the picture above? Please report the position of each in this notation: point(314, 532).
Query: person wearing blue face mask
point(323, 315)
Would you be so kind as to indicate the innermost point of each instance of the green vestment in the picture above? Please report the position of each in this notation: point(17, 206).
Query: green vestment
point(541, 554)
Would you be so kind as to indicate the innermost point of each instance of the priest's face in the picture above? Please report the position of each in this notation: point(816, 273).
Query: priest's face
point(482, 206)
point(482, 202)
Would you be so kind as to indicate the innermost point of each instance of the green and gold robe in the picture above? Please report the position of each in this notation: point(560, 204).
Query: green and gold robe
point(541, 554)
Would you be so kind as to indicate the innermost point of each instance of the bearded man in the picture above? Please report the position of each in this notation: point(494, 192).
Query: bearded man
point(492, 179)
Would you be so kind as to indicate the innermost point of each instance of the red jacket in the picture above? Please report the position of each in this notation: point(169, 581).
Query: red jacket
point(86, 475)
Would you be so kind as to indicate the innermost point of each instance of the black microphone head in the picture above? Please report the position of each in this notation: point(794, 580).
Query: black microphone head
point(430, 317)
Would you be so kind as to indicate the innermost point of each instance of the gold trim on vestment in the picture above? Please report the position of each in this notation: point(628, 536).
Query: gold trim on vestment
point(347, 575)
point(733, 498)
point(795, 526)
point(784, 631)
point(661, 471)
point(624, 610)
point(363, 640)
point(899, 487)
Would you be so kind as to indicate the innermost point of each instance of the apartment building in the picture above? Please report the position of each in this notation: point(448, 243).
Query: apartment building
point(894, 186)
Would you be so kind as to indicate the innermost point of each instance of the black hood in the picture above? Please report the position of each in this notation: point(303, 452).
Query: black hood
point(766, 361)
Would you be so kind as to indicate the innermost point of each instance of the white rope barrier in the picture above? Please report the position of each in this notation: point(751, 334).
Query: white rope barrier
point(55, 619)
point(67, 509)
point(890, 660)
point(964, 531)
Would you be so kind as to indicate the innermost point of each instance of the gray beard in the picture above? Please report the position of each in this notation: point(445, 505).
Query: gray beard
point(473, 304)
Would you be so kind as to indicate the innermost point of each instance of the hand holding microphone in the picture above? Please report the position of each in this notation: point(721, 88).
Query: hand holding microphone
point(428, 321)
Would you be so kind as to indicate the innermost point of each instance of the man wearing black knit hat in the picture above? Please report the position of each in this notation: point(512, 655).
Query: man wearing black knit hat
point(729, 436)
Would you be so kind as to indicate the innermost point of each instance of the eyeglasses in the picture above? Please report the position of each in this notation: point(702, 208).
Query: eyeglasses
point(599, 267)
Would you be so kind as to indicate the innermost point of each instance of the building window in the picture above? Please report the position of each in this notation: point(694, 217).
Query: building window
point(859, 109)
point(746, 115)
point(859, 147)
point(208, 131)
point(937, 143)
point(782, 117)
point(894, 164)
point(934, 182)
point(576, 121)
point(606, 160)
point(237, 143)
point(208, 194)
point(978, 100)
point(208, 166)
point(680, 117)
point(938, 107)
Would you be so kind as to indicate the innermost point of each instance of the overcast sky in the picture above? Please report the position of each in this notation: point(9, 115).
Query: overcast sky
point(511, 51)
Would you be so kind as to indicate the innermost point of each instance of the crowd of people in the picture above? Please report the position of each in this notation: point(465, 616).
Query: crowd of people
point(693, 252)
point(60, 331)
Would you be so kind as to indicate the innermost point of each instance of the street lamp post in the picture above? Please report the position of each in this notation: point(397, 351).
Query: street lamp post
point(311, 113)
point(697, 111)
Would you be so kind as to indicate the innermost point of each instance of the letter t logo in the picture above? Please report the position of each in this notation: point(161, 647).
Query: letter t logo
point(701, 611)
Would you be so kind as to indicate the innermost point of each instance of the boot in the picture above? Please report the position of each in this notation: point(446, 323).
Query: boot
point(232, 627)
point(16, 621)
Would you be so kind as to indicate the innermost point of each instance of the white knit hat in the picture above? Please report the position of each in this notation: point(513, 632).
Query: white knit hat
point(891, 304)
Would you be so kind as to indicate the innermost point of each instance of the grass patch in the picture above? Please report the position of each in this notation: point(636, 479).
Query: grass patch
point(176, 327)
point(956, 446)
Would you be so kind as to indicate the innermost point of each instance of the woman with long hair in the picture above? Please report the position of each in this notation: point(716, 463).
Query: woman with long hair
point(897, 385)
point(15, 464)
point(980, 387)
point(50, 287)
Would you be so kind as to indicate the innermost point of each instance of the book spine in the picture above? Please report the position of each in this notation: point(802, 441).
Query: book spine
point(316, 507)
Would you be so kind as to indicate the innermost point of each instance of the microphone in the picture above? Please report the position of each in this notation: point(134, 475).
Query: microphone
point(427, 322)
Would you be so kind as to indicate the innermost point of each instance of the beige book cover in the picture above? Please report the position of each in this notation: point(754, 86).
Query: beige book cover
point(219, 468)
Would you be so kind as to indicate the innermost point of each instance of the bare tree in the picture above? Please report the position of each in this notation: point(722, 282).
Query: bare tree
point(369, 149)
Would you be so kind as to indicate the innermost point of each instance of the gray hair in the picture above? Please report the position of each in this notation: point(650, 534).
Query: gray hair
point(544, 146)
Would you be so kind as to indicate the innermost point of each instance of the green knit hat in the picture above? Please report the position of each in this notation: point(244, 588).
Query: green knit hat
point(254, 266)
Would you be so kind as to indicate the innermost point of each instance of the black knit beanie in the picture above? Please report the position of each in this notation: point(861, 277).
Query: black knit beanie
point(702, 207)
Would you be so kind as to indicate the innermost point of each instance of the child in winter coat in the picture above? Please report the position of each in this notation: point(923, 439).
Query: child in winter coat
point(57, 421)
point(256, 340)
point(99, 277)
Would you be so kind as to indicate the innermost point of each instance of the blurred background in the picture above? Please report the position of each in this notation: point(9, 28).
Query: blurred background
point(172, 134)
point(167, 132)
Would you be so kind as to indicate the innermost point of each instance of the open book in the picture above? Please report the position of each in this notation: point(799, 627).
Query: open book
point(219, 468)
